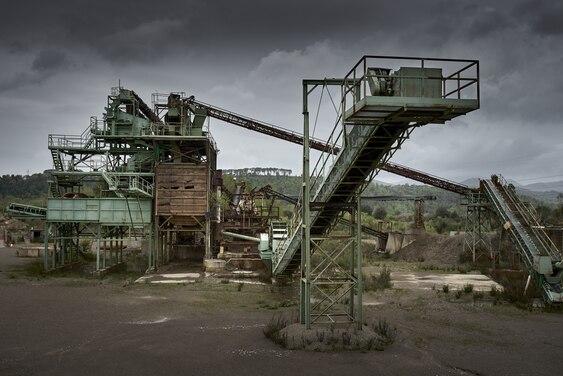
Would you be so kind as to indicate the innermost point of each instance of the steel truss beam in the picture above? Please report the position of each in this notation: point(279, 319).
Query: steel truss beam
point(72, 239)
point(477, 225)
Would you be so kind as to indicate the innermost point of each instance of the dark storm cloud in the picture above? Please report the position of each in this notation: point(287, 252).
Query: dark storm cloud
point(249, 56)
point(17, 47)
point(49, 60)
point(543, 16)
point(45, 64)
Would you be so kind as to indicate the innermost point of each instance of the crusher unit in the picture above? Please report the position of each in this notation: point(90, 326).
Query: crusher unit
point(140, 173)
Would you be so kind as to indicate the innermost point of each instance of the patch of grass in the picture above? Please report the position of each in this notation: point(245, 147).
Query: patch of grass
point(277, 305)
point(34, 269)
point(88, 256)
point(446, 289)
point(278, 322)
point(458, 294)
point(478, 295)
point(240, 286)
point(379, 282)
point(385, 330)
point(468, 288)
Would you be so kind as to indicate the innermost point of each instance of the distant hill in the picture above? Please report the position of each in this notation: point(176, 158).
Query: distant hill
point(471, 182)
point(546, 192)
point(556, 186)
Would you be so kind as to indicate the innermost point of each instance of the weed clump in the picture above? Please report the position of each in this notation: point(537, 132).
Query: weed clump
point(385, 330)
point(274, 327)
point(379, 282)
point(478, 295)
point(372, 335)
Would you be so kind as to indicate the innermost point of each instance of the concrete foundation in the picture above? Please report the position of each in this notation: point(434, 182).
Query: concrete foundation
point(397, 240)
point(214, 265)
point(29, 252)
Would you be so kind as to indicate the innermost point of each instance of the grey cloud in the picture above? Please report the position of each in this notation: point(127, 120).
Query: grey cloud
point(17, 47)
point(46, 63)
point(543, 16)
point(250, 57)
point(50, 60)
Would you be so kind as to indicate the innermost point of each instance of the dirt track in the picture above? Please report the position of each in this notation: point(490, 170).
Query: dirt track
point(70, 326)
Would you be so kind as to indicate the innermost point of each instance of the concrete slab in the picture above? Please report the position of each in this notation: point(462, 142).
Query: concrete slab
point(427, 281)
point(169, 278)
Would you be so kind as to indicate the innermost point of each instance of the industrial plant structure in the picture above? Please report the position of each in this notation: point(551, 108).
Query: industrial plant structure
point(154, 176)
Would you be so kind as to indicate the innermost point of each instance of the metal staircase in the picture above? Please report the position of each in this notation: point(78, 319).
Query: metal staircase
point(367, 146)
point(541, 257)
point(128, 184)
point(374, 121)
point(57, 160)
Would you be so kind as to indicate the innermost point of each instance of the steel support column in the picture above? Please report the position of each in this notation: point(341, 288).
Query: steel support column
point(305, 283)
point(331, 282)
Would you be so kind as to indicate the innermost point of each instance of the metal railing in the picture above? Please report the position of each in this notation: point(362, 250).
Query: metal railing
point(85, 140)
point(22, 210)
point(128, 182)
point(459, 77)
point(531, 220)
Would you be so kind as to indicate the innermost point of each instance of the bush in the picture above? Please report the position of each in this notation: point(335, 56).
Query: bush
point(478, 295)
point(468, 288)
point(380, 282)
point(273, 328)
point(446, 289)
point(385, 330)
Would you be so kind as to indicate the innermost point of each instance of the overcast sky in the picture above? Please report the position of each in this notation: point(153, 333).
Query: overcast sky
point(59, 60)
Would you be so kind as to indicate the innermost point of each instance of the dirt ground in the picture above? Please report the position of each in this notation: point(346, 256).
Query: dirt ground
point(66, 325)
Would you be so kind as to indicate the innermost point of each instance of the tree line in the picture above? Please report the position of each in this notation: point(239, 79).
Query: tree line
point(24, 186)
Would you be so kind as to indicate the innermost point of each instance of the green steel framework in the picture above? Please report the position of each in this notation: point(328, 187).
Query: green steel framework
point(119, 157)
point(477, 227)
point(379, 120)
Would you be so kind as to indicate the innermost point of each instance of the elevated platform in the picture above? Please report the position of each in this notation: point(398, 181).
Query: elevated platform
point(371, 109)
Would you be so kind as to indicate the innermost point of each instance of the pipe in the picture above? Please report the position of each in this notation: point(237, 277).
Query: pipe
point(240, 236)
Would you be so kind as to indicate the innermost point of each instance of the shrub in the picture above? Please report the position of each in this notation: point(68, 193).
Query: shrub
point(478, 295)
point(379, 282)
point(468, 288)
point(385, 330)
point(273, 328)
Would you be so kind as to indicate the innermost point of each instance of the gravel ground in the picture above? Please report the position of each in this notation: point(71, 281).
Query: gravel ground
point(65, 325)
